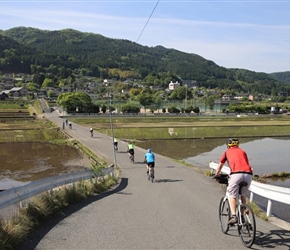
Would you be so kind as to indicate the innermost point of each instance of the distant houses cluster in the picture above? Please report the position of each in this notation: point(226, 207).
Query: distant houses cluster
point(9, 89)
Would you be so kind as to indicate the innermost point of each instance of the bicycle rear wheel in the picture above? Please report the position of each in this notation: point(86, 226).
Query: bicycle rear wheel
point(247, 228)
point(132, 158)
point(224, 214)
point(152, 177)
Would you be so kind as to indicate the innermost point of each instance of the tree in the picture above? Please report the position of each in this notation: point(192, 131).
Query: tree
point(72, 102)
point(38, 78)
point(196, 110)
point(48, 83)
point(146, 100)
point(209, 101)
point(49, 93)
point(130, 108)
point(180, 93)
point(104, 109)
point(188, 109)
point(173, 109)
point(32, 86)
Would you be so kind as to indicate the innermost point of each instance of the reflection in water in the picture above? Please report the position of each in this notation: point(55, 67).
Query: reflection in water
point(34, 161)
point(267, 155)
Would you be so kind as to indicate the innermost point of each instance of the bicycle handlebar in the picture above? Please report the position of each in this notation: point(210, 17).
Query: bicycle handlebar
point(223, 178)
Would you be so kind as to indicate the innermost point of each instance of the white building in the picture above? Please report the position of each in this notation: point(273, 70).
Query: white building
point(173, 85)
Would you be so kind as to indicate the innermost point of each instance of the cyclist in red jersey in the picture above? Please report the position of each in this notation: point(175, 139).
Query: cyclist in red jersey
point(241, 171)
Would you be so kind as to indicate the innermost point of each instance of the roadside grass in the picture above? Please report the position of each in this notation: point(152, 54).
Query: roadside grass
point(258, 211)
point(13, 231)
point(279, 175)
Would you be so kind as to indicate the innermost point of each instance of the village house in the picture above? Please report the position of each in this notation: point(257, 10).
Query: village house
point(173, 85)
point(3, 96)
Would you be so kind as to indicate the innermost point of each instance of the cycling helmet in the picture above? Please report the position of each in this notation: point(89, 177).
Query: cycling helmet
point(149, 150)
point(233, 142)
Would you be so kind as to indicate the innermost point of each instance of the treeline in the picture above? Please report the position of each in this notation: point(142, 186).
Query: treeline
point(34, 51)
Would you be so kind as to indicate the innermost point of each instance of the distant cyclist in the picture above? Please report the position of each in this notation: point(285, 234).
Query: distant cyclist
point(149, 159)
point(116, 143)
point(92, 131)
point(131, 150)
point(241, 171)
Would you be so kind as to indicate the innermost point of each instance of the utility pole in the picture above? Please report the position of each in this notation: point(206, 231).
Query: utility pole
point(112, 131)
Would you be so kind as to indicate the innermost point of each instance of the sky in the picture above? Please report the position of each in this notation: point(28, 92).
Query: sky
point(247, 34)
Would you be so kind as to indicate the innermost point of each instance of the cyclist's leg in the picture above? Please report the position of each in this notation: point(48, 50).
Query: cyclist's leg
point(248, 179)
point(153, 168)
point(233, 190)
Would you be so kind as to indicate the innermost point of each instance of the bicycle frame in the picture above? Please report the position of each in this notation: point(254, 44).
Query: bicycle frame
point(239, 205)
point(150, 173)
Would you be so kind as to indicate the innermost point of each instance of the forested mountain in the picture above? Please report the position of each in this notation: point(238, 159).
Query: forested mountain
point(282, 76)
point(95, 55)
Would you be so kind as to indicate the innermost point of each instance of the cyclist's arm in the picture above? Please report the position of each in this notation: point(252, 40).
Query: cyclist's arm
point(219, 168)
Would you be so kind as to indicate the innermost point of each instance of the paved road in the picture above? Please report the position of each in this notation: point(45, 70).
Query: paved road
point(178, 211)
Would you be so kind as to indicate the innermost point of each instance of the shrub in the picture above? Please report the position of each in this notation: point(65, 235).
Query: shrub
point(173, 109)
point(129, 108)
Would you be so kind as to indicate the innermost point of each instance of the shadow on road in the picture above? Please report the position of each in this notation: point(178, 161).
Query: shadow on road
point(166, 180)
point(273, 239)
point(35, 237)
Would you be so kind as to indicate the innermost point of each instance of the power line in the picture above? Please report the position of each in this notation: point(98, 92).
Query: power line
point(147, 21)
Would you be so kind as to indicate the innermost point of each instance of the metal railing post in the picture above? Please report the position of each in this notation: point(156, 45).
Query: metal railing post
point(269, 208)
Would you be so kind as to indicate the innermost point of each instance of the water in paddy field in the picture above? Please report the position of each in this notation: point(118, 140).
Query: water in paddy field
point(25, 162)
point(266, 155)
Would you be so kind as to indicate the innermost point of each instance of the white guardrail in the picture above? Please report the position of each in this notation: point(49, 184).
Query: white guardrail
point(14, 195)
point(270, 192)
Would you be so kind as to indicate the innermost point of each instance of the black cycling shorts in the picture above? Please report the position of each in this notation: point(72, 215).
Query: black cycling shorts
point(151, 164)
point(131, 151)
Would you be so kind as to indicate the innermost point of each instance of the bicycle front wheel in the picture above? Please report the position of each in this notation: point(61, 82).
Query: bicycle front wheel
point(247, 227)
point(224, 214)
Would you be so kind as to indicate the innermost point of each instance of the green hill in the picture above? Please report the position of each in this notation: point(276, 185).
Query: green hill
point(95, 55)
point(282, 76)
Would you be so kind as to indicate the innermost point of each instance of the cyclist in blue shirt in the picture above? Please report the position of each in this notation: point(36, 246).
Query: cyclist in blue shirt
point(149, 159)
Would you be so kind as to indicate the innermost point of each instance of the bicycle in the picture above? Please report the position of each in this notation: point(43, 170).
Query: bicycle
point(132, 158)
point(246, 223)
point(150, 173)
point(131, 155)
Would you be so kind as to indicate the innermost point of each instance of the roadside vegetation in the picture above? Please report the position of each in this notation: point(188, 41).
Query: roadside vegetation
point(14, 230)
point(18, 120)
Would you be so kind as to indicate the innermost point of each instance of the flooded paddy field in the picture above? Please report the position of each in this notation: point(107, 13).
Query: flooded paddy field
point(31, 161)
